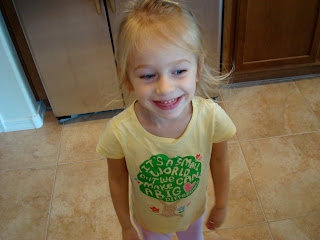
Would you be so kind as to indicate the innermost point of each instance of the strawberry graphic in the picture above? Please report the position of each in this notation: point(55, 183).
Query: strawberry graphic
point(199, 157)
point(154, 209)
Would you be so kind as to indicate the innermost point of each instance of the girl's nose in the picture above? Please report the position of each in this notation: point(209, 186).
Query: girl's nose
point(164, 86)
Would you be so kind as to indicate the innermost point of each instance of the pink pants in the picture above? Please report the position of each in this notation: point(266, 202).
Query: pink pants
point(194, 232)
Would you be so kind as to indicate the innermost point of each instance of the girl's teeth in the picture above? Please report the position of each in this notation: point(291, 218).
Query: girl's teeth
point(170, 101)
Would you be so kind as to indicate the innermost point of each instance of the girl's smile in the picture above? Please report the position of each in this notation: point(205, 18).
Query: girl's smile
point(163, 77)
point(168, 104)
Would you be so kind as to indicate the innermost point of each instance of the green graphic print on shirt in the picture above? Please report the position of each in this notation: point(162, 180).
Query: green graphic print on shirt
point(169, 179)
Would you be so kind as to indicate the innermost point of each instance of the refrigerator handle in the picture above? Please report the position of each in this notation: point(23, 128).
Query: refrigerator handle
point(112, 5)
point(98, 6)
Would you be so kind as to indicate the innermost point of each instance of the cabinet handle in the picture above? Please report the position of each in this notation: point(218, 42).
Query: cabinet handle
point(112, 5)
point(98, 6)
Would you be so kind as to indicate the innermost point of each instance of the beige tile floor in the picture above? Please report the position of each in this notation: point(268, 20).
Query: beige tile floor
point(54, 186)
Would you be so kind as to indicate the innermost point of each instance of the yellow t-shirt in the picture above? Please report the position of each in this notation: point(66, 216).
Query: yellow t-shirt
point(168, 176)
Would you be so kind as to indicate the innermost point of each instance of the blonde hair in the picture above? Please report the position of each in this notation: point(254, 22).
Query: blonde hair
point(170, 21)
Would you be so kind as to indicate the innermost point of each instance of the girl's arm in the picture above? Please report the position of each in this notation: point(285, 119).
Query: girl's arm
point(119, 189)
point(219, 166)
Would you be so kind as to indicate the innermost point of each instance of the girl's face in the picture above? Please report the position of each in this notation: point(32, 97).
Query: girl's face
point(163, 77)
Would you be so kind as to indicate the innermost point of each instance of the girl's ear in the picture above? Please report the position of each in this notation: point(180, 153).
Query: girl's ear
point(126, 80)
point(128, 83)
point(200, 68)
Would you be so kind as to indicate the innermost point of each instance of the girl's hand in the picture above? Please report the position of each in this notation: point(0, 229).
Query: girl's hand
point(129, 234)
point(216, 217)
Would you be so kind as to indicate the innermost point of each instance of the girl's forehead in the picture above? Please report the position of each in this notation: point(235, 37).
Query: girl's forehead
point(152, 46)
point(154, 51)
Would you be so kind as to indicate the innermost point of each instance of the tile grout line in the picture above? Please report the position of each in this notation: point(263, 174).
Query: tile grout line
point(26, 168)
point(54, 183)
point(288, 135)
point(294, 217)
point(306, 101)
point(47, 166)
point(85, 161)
point(239, 226)
point(255, 189)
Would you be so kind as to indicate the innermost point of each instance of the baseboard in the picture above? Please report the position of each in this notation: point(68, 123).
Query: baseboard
point(26, 123)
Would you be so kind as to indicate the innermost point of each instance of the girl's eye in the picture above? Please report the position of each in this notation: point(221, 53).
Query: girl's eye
point(179, 71)
point(148, 76)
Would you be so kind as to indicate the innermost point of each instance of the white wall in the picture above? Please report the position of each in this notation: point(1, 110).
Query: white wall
point(18, 108)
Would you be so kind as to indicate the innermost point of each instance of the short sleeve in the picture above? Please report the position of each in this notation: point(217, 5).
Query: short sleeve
point(109, 145)
point(224, 128)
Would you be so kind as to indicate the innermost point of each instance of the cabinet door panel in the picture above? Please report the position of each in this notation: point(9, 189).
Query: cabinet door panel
point(207, 12)
point(273, 33)
point(71, 47)
point(209, 15)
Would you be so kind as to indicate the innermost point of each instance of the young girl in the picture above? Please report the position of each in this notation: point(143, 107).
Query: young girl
point(168, 139)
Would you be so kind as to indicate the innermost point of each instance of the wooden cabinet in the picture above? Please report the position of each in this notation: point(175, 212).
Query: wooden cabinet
point(271, 38)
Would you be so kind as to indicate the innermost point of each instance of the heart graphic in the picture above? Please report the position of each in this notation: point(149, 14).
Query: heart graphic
point(188, 186)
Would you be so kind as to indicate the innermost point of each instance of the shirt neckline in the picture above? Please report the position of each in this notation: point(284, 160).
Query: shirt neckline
point(151, 136)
